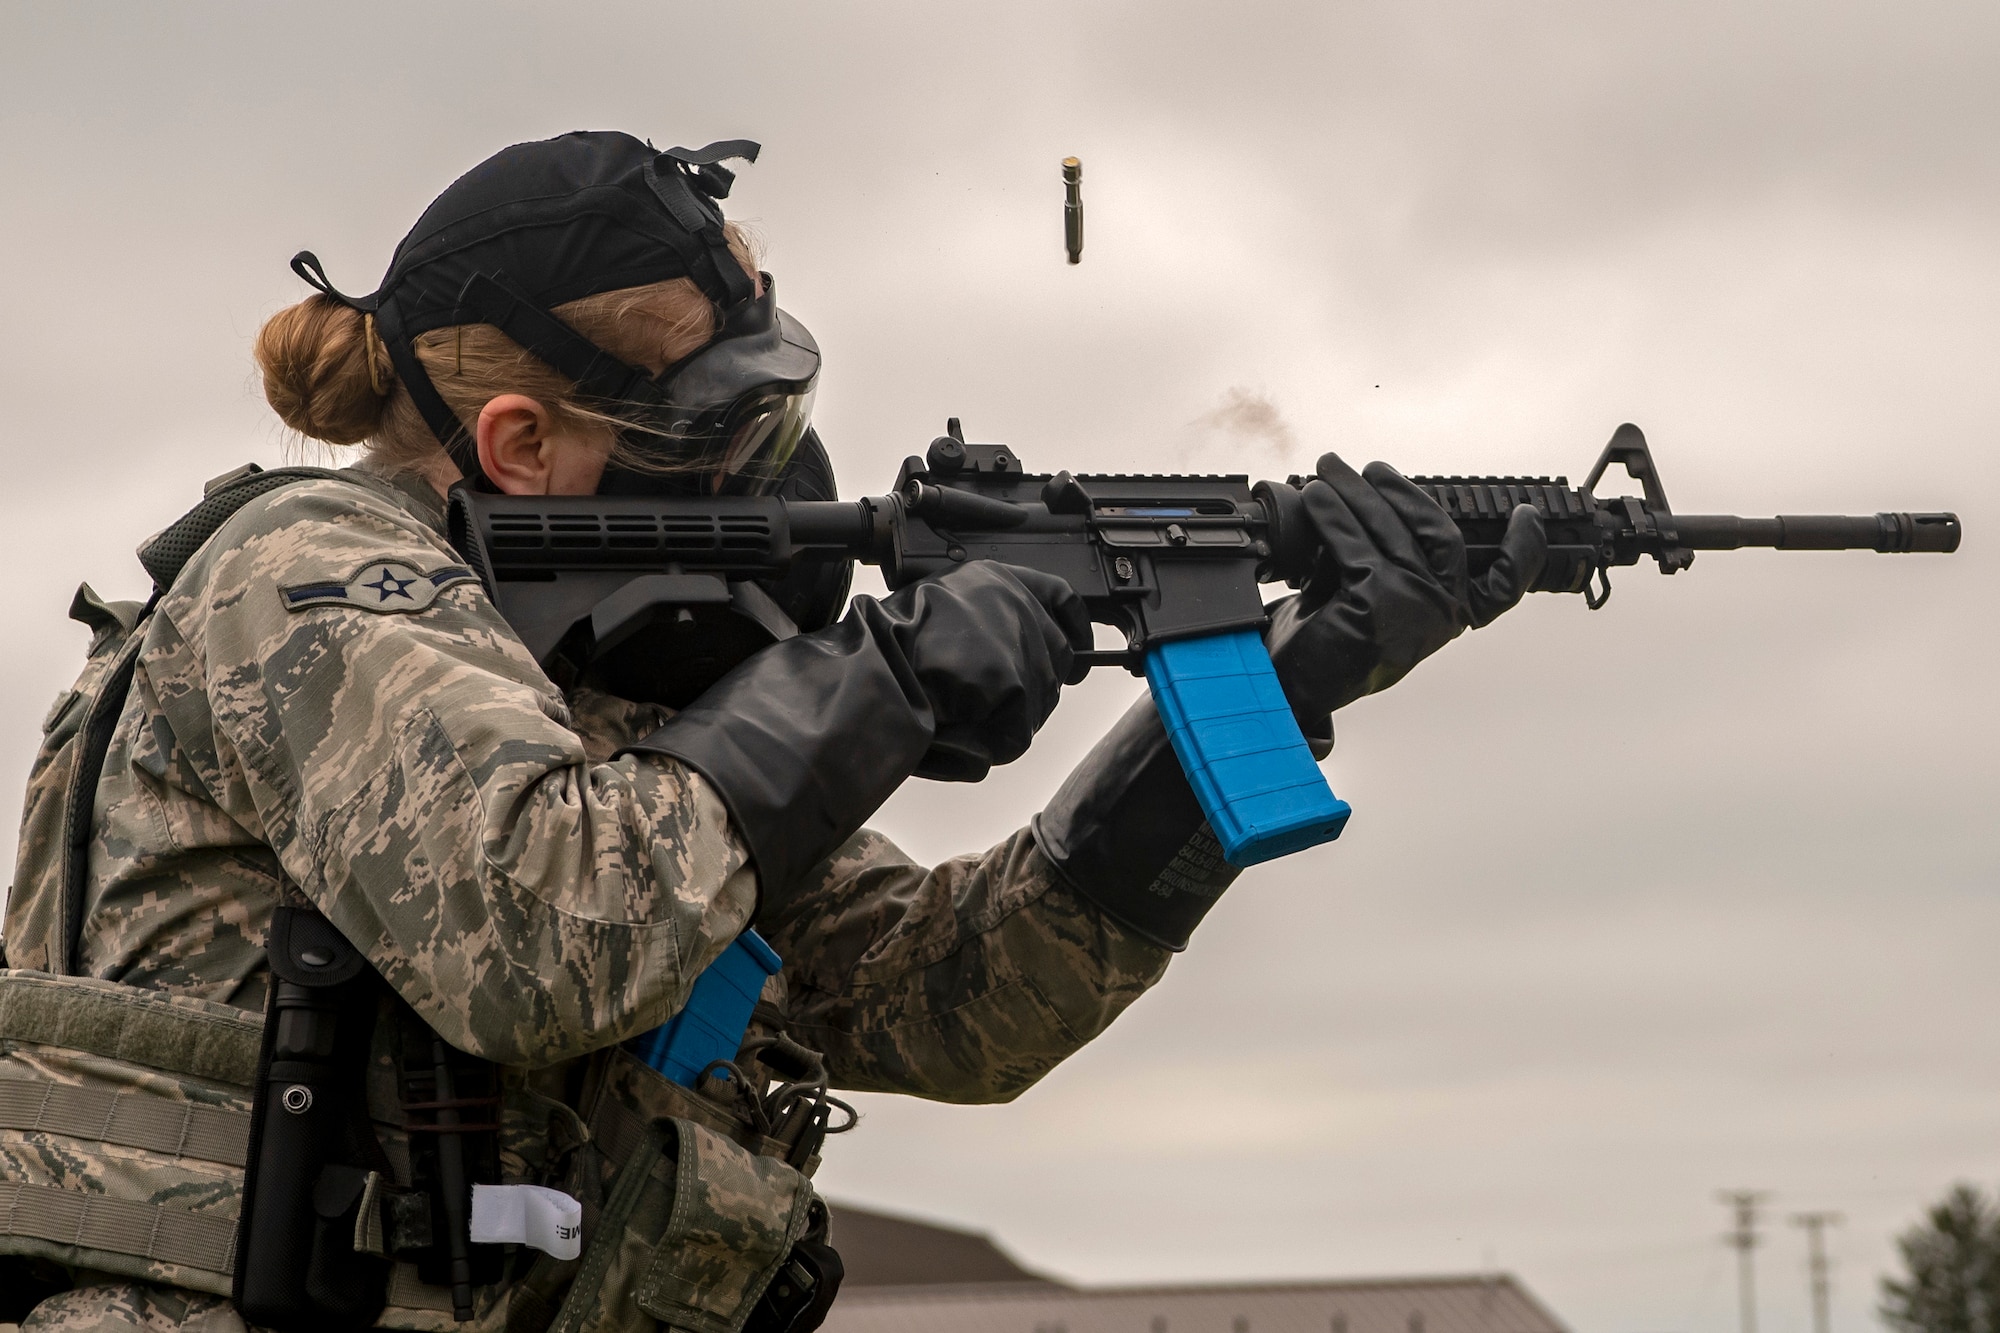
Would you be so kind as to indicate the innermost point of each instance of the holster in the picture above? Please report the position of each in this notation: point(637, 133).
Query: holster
point(312, 1149)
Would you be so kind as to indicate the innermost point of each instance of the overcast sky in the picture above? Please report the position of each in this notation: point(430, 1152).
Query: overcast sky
point(1695, 892)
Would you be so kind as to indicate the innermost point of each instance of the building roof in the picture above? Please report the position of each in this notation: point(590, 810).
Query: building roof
point(882, 1250)
point(1488, 1303)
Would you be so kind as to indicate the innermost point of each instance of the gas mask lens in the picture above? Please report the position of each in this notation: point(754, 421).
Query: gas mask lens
point(767, 428)
point(729, 418)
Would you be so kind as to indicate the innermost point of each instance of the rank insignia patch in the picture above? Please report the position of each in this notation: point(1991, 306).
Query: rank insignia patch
point(381, 585)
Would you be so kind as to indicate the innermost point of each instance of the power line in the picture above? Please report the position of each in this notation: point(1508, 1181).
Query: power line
point(1744, 1240)
point(1815, 1225)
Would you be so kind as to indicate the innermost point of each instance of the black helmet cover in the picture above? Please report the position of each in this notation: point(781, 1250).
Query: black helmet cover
point(542, 223)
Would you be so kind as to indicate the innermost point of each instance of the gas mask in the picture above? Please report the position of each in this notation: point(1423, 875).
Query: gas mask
point(729, 419)
point(540, 224)
point(725, 420)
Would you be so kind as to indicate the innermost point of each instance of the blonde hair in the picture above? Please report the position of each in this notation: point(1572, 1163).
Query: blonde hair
point(328, 375)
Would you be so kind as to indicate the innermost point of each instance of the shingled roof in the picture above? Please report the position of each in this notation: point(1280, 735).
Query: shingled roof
point(906, 1276)
point(1487, 1303)
point(883, 1250)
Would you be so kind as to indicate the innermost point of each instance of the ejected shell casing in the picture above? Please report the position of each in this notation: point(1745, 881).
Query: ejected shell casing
point(1073, 207)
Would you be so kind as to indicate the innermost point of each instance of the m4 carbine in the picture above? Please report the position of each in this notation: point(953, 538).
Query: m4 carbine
point(1173, 562)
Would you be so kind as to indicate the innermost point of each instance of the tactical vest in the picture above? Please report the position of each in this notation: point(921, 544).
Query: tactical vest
point(126, 1113)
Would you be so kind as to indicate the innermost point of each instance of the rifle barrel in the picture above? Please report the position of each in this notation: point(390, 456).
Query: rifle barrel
point(1820, 532)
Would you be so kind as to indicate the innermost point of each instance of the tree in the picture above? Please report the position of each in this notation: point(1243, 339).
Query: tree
point(1952, 1262)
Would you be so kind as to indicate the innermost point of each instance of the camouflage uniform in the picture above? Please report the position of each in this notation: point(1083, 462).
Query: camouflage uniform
point(327, 703)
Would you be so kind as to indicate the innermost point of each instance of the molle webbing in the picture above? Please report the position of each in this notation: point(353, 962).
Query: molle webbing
point(145, 1175)
point(152, 1028)
point(99, 1225)
point(130, 1120)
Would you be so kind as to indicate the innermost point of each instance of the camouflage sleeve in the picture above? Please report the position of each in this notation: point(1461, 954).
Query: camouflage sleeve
point(965, 982)
point(348, 694)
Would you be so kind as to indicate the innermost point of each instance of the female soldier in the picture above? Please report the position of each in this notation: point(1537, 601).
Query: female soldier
point(326, 715)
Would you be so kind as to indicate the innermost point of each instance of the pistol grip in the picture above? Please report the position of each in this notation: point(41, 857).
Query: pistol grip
point(1240, 746)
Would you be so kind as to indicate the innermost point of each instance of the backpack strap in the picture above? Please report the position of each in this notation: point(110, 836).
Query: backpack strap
point(80, 801)
point(164, 557)
point(167, 554)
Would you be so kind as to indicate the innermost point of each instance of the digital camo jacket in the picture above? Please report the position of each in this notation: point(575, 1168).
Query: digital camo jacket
point(326, 699)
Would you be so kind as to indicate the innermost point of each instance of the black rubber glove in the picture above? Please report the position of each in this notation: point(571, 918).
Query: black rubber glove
point(1125, 832)
point(989, 666)
point(945, 678)
point(1389, 589)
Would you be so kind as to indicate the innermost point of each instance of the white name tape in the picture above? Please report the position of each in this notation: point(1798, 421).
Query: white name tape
point(546, 1219)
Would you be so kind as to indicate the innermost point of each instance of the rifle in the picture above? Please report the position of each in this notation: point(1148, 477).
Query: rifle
point(1173, 562)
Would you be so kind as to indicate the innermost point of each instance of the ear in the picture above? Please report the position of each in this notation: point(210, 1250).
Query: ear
point(517, 450)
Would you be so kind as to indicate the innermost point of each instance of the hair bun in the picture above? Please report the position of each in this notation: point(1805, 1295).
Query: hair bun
point(325, 374)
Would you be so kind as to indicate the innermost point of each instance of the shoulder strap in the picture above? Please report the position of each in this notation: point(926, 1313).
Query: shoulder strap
point(167, 554)
point(163, 557)
point(80, 801)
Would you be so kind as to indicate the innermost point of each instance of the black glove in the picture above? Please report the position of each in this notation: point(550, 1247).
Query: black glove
point(991, 646)
point(945, 679)
point(1389, 589)
point(1125, 832)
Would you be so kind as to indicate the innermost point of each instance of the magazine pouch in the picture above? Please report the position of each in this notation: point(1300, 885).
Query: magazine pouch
point(694, 1221)
point(735, 1216)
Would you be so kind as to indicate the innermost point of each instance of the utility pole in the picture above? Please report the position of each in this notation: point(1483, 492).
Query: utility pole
point(1815, 1225)
point(1743, 1240)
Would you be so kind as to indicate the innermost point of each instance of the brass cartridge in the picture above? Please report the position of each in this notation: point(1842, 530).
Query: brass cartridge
point(1072, 172)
